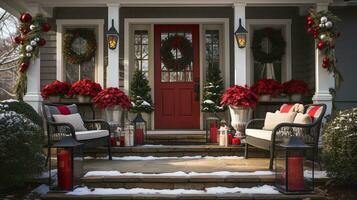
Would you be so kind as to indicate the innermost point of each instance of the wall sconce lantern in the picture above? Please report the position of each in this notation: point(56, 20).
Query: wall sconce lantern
point(241, 35)
point(112, 37)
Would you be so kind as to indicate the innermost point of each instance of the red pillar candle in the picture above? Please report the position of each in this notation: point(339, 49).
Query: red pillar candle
point(229, 137)
point(64, 167)
point(139, 136)
point(113, 141)
point(213, 134)
point(236, 141)
point(122, 141)
point(212, 125)
point(296, 173)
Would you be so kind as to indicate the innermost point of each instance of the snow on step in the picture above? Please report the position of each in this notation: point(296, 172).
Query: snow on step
point(264, 189)
point(146, 158)
point(179, 173)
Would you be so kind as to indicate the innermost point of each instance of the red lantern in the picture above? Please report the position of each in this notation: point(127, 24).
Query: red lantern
point(41, 42)
point(229, 137)
point(24, 66)
point(46, 27)
point(25, 17)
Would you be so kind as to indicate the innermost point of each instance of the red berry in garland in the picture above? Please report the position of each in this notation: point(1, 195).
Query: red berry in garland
point(24, 30)
point(46, 27)
point(310, 30)
point(326, 59)
point(41, 42)
point(18, 39)
point(321, 45)
point(309, 18)
point(310, 23)
point(23, 67)
point(325, 65)
point(25, 17)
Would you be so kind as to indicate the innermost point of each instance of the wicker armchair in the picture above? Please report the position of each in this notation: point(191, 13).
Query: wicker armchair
point(308, 132)
point(98, 133)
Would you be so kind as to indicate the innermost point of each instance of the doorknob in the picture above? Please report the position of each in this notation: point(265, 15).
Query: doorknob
point(197, 90)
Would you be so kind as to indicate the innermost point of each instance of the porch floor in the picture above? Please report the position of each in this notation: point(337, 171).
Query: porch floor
point(181, 164)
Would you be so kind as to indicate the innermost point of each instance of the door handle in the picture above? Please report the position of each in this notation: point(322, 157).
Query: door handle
point(197, 90)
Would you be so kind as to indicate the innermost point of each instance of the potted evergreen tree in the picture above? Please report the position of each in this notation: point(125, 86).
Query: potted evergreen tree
point(140, 96)
point(212, 91)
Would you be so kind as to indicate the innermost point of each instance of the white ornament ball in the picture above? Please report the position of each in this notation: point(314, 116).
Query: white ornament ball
point(37, 39)
point(33, 43)
point(323, 19)
point(28, 54)
point(322, 36)
point(329, 24)
point(322, 25)
point(32, 27)
point(29, 48)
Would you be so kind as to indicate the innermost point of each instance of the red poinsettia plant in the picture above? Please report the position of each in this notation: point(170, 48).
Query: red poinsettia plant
point(296, 87)
point(56, 88)
point(111, 97)
point(239, 96)
point(267, 86)
point(85, 87)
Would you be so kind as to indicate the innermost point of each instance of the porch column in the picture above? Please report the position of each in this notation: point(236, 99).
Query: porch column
point(323, 79)
point(113, 54)
point(33, 93)
point(240, 56)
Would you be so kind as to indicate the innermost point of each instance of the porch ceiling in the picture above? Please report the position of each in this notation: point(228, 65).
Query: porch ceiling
point(168, 3)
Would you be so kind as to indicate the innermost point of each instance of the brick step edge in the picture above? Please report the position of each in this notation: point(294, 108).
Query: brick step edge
point(232, 196)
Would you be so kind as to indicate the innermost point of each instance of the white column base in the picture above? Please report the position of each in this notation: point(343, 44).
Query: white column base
point(33, 94)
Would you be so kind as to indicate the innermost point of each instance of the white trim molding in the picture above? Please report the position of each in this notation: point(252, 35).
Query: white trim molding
point(287, 58)
point(99, 24)
point(113, 54)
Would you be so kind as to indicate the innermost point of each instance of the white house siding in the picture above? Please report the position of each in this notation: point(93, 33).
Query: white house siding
point(48, 59)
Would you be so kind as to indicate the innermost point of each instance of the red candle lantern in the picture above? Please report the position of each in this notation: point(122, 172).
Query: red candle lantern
point(69, 163)
point(290, 165)
point(212, 129)
point(140, 128)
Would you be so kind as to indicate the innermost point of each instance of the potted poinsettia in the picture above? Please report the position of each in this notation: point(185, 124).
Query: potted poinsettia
point(296, 89)
point(240, 101)
point(85, 90)
point(113, 100)
point(267, 88)
point(55, 90)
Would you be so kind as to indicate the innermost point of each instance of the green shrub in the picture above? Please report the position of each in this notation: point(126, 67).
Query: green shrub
point(340, 147)
point(21, 155)
point(25, 109)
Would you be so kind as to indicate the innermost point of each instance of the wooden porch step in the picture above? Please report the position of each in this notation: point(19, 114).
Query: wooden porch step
point(176, 137)
point(178, 150)
point(231, 196)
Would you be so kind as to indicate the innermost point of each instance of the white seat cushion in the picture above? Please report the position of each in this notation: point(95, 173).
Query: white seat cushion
point(74, 119)
point(259, 133)
point(91, 134)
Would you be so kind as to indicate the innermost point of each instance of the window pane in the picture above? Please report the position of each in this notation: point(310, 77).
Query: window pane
point(141, 50)
point(212, 48)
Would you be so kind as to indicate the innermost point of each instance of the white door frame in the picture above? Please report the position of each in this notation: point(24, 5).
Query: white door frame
point(200, 21)
point(287, 24)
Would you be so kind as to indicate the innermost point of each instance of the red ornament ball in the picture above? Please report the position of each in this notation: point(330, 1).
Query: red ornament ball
point(18, 39)
point(321, 45)
point(41, 42)
point(325, 65)
point(309, 18)
point(25, 17)
point(24, 66)
point(325, 59)
point(46, 27)
point(310, 23)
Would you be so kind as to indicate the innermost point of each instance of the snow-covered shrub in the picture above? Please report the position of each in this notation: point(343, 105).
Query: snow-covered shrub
point(20, 148)
point(340, 147)
point(23, 108)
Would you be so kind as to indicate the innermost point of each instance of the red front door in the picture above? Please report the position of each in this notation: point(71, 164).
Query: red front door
point(176, 90)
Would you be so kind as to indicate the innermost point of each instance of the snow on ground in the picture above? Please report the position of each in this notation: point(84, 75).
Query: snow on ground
point(41, 189)
point(265, 189)
point(145, 158)
point(178, 173)
point(10, 100)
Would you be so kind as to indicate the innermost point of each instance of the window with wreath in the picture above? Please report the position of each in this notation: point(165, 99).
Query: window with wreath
point(268, 49)
point(141, 51)
point(79, 51)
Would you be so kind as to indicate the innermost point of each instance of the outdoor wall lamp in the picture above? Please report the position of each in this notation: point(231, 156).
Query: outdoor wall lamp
point(112, 37)
point(241, 35)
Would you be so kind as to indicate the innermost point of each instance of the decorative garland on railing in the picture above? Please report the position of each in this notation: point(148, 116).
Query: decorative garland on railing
point(322, 25)
point(181, 44)
point(91, 46)
point(277, 42)
point(30, 39)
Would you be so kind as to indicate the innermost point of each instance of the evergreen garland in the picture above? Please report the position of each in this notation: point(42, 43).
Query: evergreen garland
point(140, 93)
point(213, 90)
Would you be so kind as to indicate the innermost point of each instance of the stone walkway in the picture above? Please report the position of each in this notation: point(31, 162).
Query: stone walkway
point(174, 165)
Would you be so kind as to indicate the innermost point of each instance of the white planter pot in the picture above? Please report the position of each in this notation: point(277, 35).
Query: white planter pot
point(264, 97)
point(54, 99)
point(295, 97)
point(113, 114)
point(84, 99)
point(240, 116)
point(280, 99)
